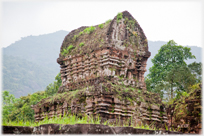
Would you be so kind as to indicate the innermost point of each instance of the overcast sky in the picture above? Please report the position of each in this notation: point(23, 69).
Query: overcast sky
point(177, 20)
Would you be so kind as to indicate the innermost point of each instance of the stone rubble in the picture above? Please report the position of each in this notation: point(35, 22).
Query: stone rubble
point(80, 129)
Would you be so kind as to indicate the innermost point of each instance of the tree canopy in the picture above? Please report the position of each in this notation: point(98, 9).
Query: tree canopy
point(170, 74)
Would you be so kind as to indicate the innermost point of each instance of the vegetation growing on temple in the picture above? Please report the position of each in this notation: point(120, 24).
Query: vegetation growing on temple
point(95, 37)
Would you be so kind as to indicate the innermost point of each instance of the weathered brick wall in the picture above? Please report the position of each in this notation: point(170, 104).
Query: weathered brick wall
point(79, 69)
point(109, 98)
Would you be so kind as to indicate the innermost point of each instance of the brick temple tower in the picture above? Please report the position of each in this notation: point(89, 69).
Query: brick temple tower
point(102, 72)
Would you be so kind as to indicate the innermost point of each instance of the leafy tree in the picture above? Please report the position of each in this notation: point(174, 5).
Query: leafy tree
point(8, 99)
point(53, 87)
point(8, 104)
point(20, 108)
point(179, 79)
point(162, 76)
point(196, 69)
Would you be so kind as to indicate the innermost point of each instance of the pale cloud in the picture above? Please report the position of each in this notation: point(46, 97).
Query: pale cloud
point(177, 20)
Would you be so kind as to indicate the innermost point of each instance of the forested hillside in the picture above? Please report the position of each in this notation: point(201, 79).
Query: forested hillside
point(29, 65)
point(42, 50)
point(21, 77)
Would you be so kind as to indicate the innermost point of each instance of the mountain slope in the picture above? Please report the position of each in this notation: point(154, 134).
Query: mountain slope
point(21, 77)
point(29, 65)
point(42, 50)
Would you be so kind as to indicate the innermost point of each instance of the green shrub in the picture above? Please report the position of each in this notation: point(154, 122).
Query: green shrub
point(80, 33)
point(64, 52)
point(100, 26)
point(66, 119)
point(108, 21)
point(70, 47)
point(67, 50)
point(89, 30)
point(185, 94)
point(119, 17)
point(75, 37)
point(81, 44)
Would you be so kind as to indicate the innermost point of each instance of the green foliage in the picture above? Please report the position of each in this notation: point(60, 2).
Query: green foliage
point(75, 37)
point(131, 23)
point(108, 21)
point(67, 119)
point(67, 50)
point(101, 26)
point(196, 69)
point(129, 122)
point(52, 88)
point(166, 127)
point(89, 30)
point(119, 16)
point(70, 47)
point(169, 73)
point(64, 52)
point(80, 33)
point(181, 107)
point(185, 94)
point(19, 109)
point(8, 101)
point(81, 44)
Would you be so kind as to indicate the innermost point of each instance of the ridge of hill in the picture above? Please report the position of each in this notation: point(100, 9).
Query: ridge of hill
point(29, 64)
point(21, 77)
point(42, 50)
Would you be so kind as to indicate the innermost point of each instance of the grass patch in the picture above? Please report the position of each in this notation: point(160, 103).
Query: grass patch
point(81, 44)
point(73, 119)
point(101, 26)
point(119, 17)
point(67, 50)
point(75, 37)
point(80, 33)
point(108, 21)
point(89, 30)
point(67, 119)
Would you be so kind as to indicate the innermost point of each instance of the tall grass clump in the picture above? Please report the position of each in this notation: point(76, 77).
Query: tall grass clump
point(67, 50)
point(75, 37)
point(80, 33)
point(119, 17)
point(89, 30)
point(66, 119)
point(108, 21)
point(81, 44)
point(100, 26)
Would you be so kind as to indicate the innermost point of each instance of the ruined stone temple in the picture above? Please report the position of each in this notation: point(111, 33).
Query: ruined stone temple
point(102, 72)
